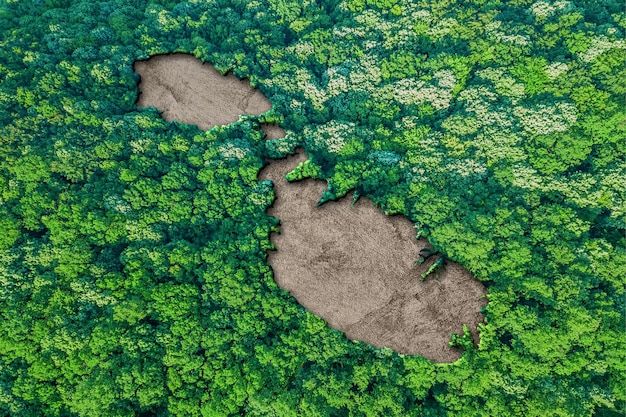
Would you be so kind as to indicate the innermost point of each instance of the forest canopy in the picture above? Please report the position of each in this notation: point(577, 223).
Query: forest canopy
point(133, 273)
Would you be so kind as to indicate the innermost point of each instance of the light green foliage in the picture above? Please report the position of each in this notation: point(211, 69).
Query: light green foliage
point(401, 65)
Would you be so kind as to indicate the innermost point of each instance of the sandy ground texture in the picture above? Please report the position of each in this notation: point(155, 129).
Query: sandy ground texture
point(354, 267)
point(188, 91)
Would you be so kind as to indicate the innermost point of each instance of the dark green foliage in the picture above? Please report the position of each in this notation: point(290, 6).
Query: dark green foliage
point(133, 272)
point(436, 266)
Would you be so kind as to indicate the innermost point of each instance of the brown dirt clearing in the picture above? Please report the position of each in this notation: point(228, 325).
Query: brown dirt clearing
point(184, 89)
point(354, 267)
point(351, 265)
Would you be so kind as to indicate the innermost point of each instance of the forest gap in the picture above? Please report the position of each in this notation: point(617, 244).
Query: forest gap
point(188, 91)
point(353, 266)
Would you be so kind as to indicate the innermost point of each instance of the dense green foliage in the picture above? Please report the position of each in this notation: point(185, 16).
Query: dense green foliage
point(133, 273)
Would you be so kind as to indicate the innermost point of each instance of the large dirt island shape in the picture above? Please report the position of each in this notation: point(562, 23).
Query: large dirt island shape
point(351, 265)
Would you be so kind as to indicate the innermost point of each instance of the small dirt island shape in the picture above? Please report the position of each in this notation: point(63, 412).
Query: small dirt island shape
point(351, 265)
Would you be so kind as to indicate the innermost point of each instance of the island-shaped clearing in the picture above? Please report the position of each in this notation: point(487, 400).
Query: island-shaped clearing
point(351, 265)
point(354, 266)
point(188, 91)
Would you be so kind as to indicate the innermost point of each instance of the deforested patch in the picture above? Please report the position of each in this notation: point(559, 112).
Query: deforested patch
point(188, 91)
point(355, 267)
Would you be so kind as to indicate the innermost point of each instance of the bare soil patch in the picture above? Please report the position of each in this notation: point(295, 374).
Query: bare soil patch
point(351, 265)
point(272, 131)
point(184, 89)
point(354, 267)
